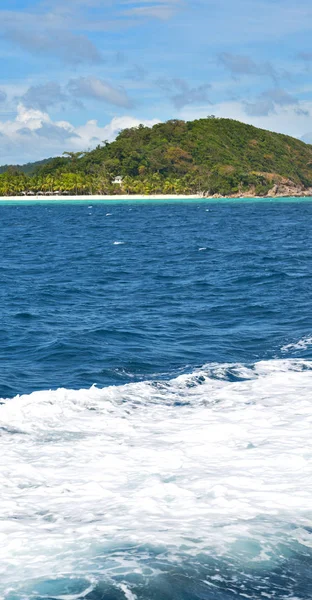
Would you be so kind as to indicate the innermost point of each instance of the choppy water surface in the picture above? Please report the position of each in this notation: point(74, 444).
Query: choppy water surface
point(171, 457)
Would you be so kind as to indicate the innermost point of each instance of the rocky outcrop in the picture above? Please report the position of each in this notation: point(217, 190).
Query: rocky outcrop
point(286, 188)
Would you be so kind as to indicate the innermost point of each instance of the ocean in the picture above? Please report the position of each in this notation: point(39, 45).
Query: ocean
point(156, 406)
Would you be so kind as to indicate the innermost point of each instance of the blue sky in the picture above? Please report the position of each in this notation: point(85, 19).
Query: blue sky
point(75, 72)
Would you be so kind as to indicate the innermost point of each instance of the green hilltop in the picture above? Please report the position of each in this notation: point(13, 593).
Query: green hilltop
point(209, 156)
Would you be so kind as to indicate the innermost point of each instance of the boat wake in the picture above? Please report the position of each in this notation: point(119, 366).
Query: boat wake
point(196, 487)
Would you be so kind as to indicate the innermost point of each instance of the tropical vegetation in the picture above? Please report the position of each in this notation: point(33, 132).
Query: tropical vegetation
point(208, 156)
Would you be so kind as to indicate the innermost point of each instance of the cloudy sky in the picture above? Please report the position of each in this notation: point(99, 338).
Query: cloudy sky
point(75, 72)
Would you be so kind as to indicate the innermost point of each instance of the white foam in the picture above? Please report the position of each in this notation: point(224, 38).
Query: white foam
point(199, 462)
point(76, 596)
point(302, 344)
point(118, 243)
point(127, 592)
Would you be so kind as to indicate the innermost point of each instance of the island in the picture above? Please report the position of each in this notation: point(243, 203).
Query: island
point(212, 157)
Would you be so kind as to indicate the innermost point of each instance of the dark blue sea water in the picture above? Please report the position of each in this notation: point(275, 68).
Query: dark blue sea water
point(156, 375)
point(116, 293)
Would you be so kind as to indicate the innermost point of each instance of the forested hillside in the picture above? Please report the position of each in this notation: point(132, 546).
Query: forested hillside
point(28, 168)
point(210, 156)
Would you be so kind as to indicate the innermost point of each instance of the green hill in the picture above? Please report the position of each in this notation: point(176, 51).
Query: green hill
point(28, 168)
point(214, 156)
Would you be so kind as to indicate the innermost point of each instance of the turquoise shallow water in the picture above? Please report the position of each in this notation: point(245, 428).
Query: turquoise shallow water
point(131, 200)
point(185, 472)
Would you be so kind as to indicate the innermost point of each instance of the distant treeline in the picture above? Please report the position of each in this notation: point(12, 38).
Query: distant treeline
point(210, 156)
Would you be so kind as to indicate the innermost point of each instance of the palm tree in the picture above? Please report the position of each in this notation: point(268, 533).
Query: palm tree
point(74, 157)
point(168, 187)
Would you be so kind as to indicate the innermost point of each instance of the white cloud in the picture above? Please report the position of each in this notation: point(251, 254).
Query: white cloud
point(43, 95)
point(48, 34)
point(92, 87)
point(181, 93)
point(267, 102)
point(92, 131)
point(33, 135)
point(158, 11)
point(239, 65)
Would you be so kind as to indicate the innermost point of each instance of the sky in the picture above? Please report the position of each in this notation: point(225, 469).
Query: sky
point(75, 72)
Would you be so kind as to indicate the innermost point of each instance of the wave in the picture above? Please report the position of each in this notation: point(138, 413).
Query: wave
point(302, 344)
point(160, 485)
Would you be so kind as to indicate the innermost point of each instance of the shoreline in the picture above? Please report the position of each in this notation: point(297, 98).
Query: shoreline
point(100, 197)
point(152, 197)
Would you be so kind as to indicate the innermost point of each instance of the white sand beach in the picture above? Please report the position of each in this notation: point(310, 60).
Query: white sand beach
point(88, 198)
